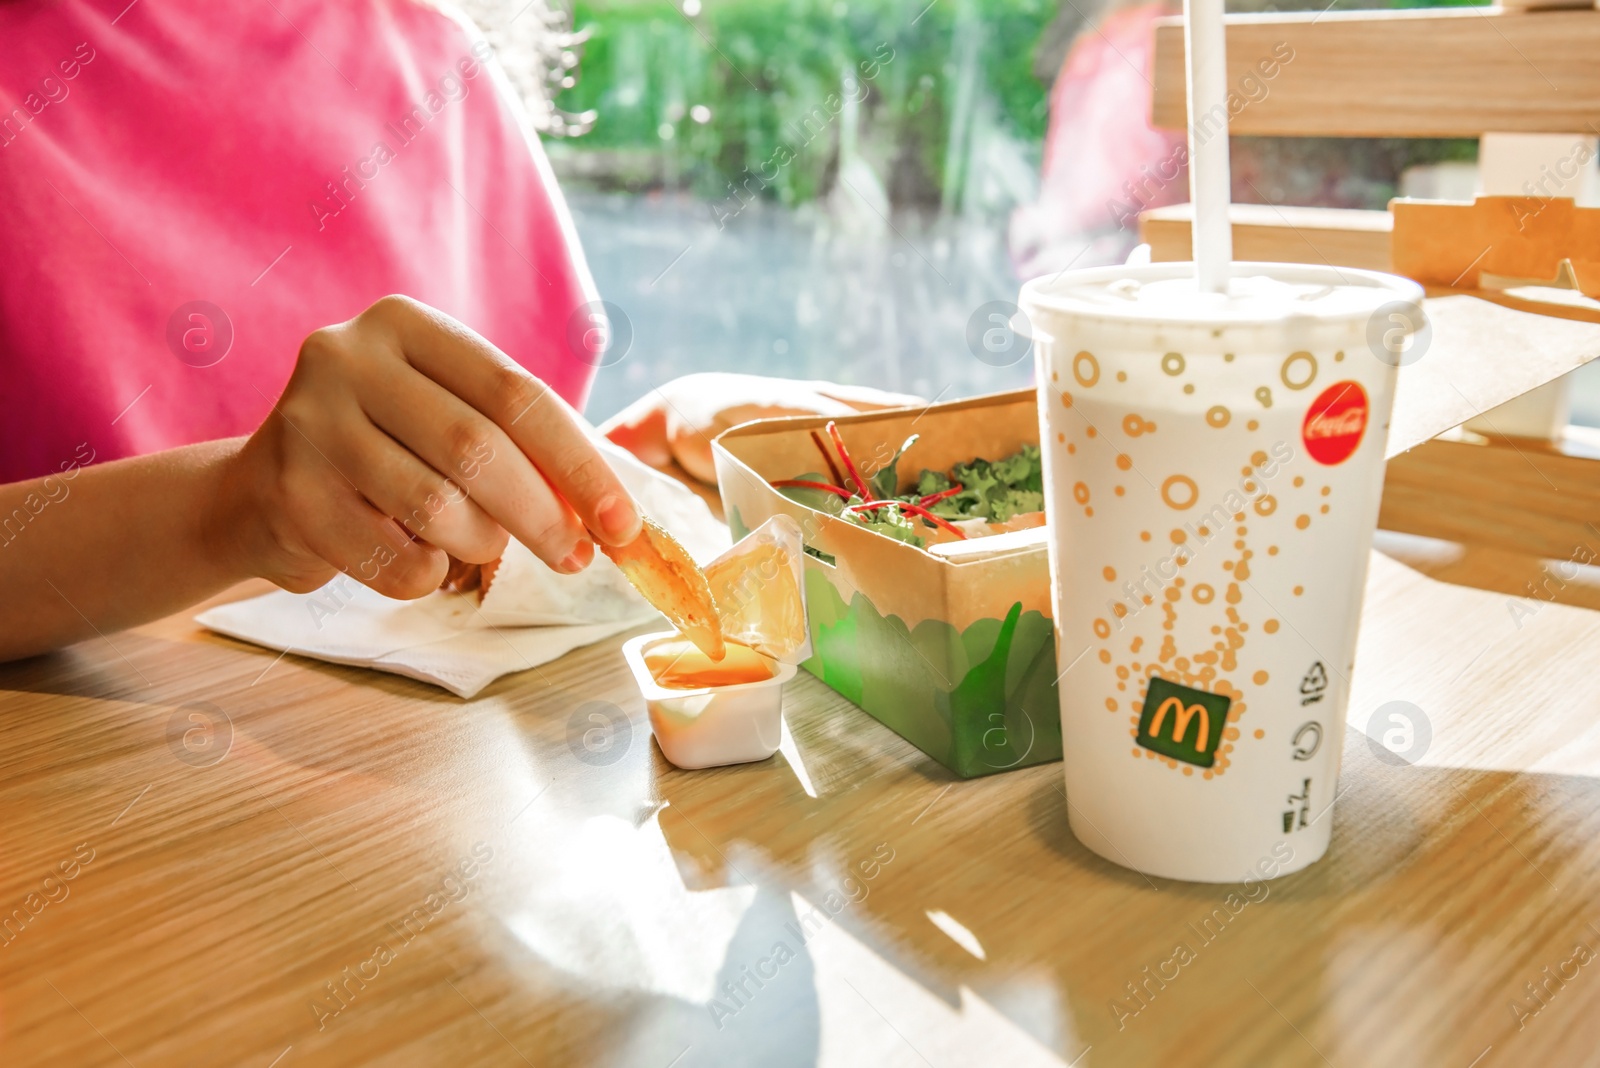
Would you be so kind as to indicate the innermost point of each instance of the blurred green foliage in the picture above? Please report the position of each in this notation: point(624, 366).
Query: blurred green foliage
point(705, 94)
point(760, 68)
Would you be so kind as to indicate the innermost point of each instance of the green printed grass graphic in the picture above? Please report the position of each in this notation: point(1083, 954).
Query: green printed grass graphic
point(978, 701)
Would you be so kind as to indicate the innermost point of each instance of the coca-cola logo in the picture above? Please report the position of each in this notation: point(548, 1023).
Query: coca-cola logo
point(1336, 426)
point(1335, 423)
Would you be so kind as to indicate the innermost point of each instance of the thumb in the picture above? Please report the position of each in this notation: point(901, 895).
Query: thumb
point(865, 398)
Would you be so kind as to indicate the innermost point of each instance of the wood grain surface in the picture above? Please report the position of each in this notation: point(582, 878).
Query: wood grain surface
point(1349, 237)
point(222, 882)
point(213, 854)
point(1455, 73)
point(1525, 496)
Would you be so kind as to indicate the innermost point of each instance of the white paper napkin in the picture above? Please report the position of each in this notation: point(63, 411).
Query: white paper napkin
point(530, 615)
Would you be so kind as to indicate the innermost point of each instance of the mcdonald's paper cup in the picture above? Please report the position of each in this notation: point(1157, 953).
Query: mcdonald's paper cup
point(1213, 465)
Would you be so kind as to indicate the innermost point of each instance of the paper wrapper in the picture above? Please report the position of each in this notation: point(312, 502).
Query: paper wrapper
point(759, 587)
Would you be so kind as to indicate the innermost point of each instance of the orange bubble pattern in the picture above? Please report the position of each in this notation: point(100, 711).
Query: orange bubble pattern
point(1211, 669)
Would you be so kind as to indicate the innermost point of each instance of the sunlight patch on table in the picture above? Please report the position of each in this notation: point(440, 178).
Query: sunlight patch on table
point(1415, 677)
point(791, 753)
point(958, 933)
point(615, 913)
point(873, 1013)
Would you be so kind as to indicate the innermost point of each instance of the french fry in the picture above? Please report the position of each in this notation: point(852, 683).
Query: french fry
point(664, 572)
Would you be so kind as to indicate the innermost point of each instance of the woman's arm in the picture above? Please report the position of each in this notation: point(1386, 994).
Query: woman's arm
point(104, 547)
point(401, 436)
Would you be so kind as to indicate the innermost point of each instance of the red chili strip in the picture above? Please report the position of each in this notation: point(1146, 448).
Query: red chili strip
point(917, 509)
point(838, 442)
point(914, 509)
point(827, 456)
point(941, 495)
point(806, 483)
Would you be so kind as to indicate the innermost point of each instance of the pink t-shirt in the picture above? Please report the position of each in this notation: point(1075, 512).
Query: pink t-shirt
point(190, 187)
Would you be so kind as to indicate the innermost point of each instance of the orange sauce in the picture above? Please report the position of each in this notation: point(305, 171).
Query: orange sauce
point(676, 664)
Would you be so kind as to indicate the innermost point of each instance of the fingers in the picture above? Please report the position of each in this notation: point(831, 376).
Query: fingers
point(536, 420)
point(484, 464)
point(698, 399)
point(706, 489)
point(698, 407)
point(371, 548)
point(865, 398)
point(431, 507)
point(641, 428)
point(691, 443)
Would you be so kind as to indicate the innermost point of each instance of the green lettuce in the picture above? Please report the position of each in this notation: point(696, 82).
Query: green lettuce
point(992, 491)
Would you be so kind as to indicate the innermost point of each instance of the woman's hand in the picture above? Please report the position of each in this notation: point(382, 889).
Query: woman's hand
point(675, 423)
point(403, 436)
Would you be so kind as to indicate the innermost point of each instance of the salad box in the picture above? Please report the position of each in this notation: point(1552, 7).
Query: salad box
point(950, 645)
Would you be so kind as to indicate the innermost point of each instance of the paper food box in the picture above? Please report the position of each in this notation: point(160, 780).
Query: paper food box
point(951, 646)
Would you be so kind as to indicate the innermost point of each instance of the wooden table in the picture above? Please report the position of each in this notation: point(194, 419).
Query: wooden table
point(612, 905)
point(210, 854)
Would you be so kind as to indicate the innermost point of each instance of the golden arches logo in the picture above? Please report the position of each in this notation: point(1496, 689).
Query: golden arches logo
point(1182, 716)
point(1187, 708)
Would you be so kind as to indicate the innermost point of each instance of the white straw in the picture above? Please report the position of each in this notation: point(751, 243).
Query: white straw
point(1206, 46)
